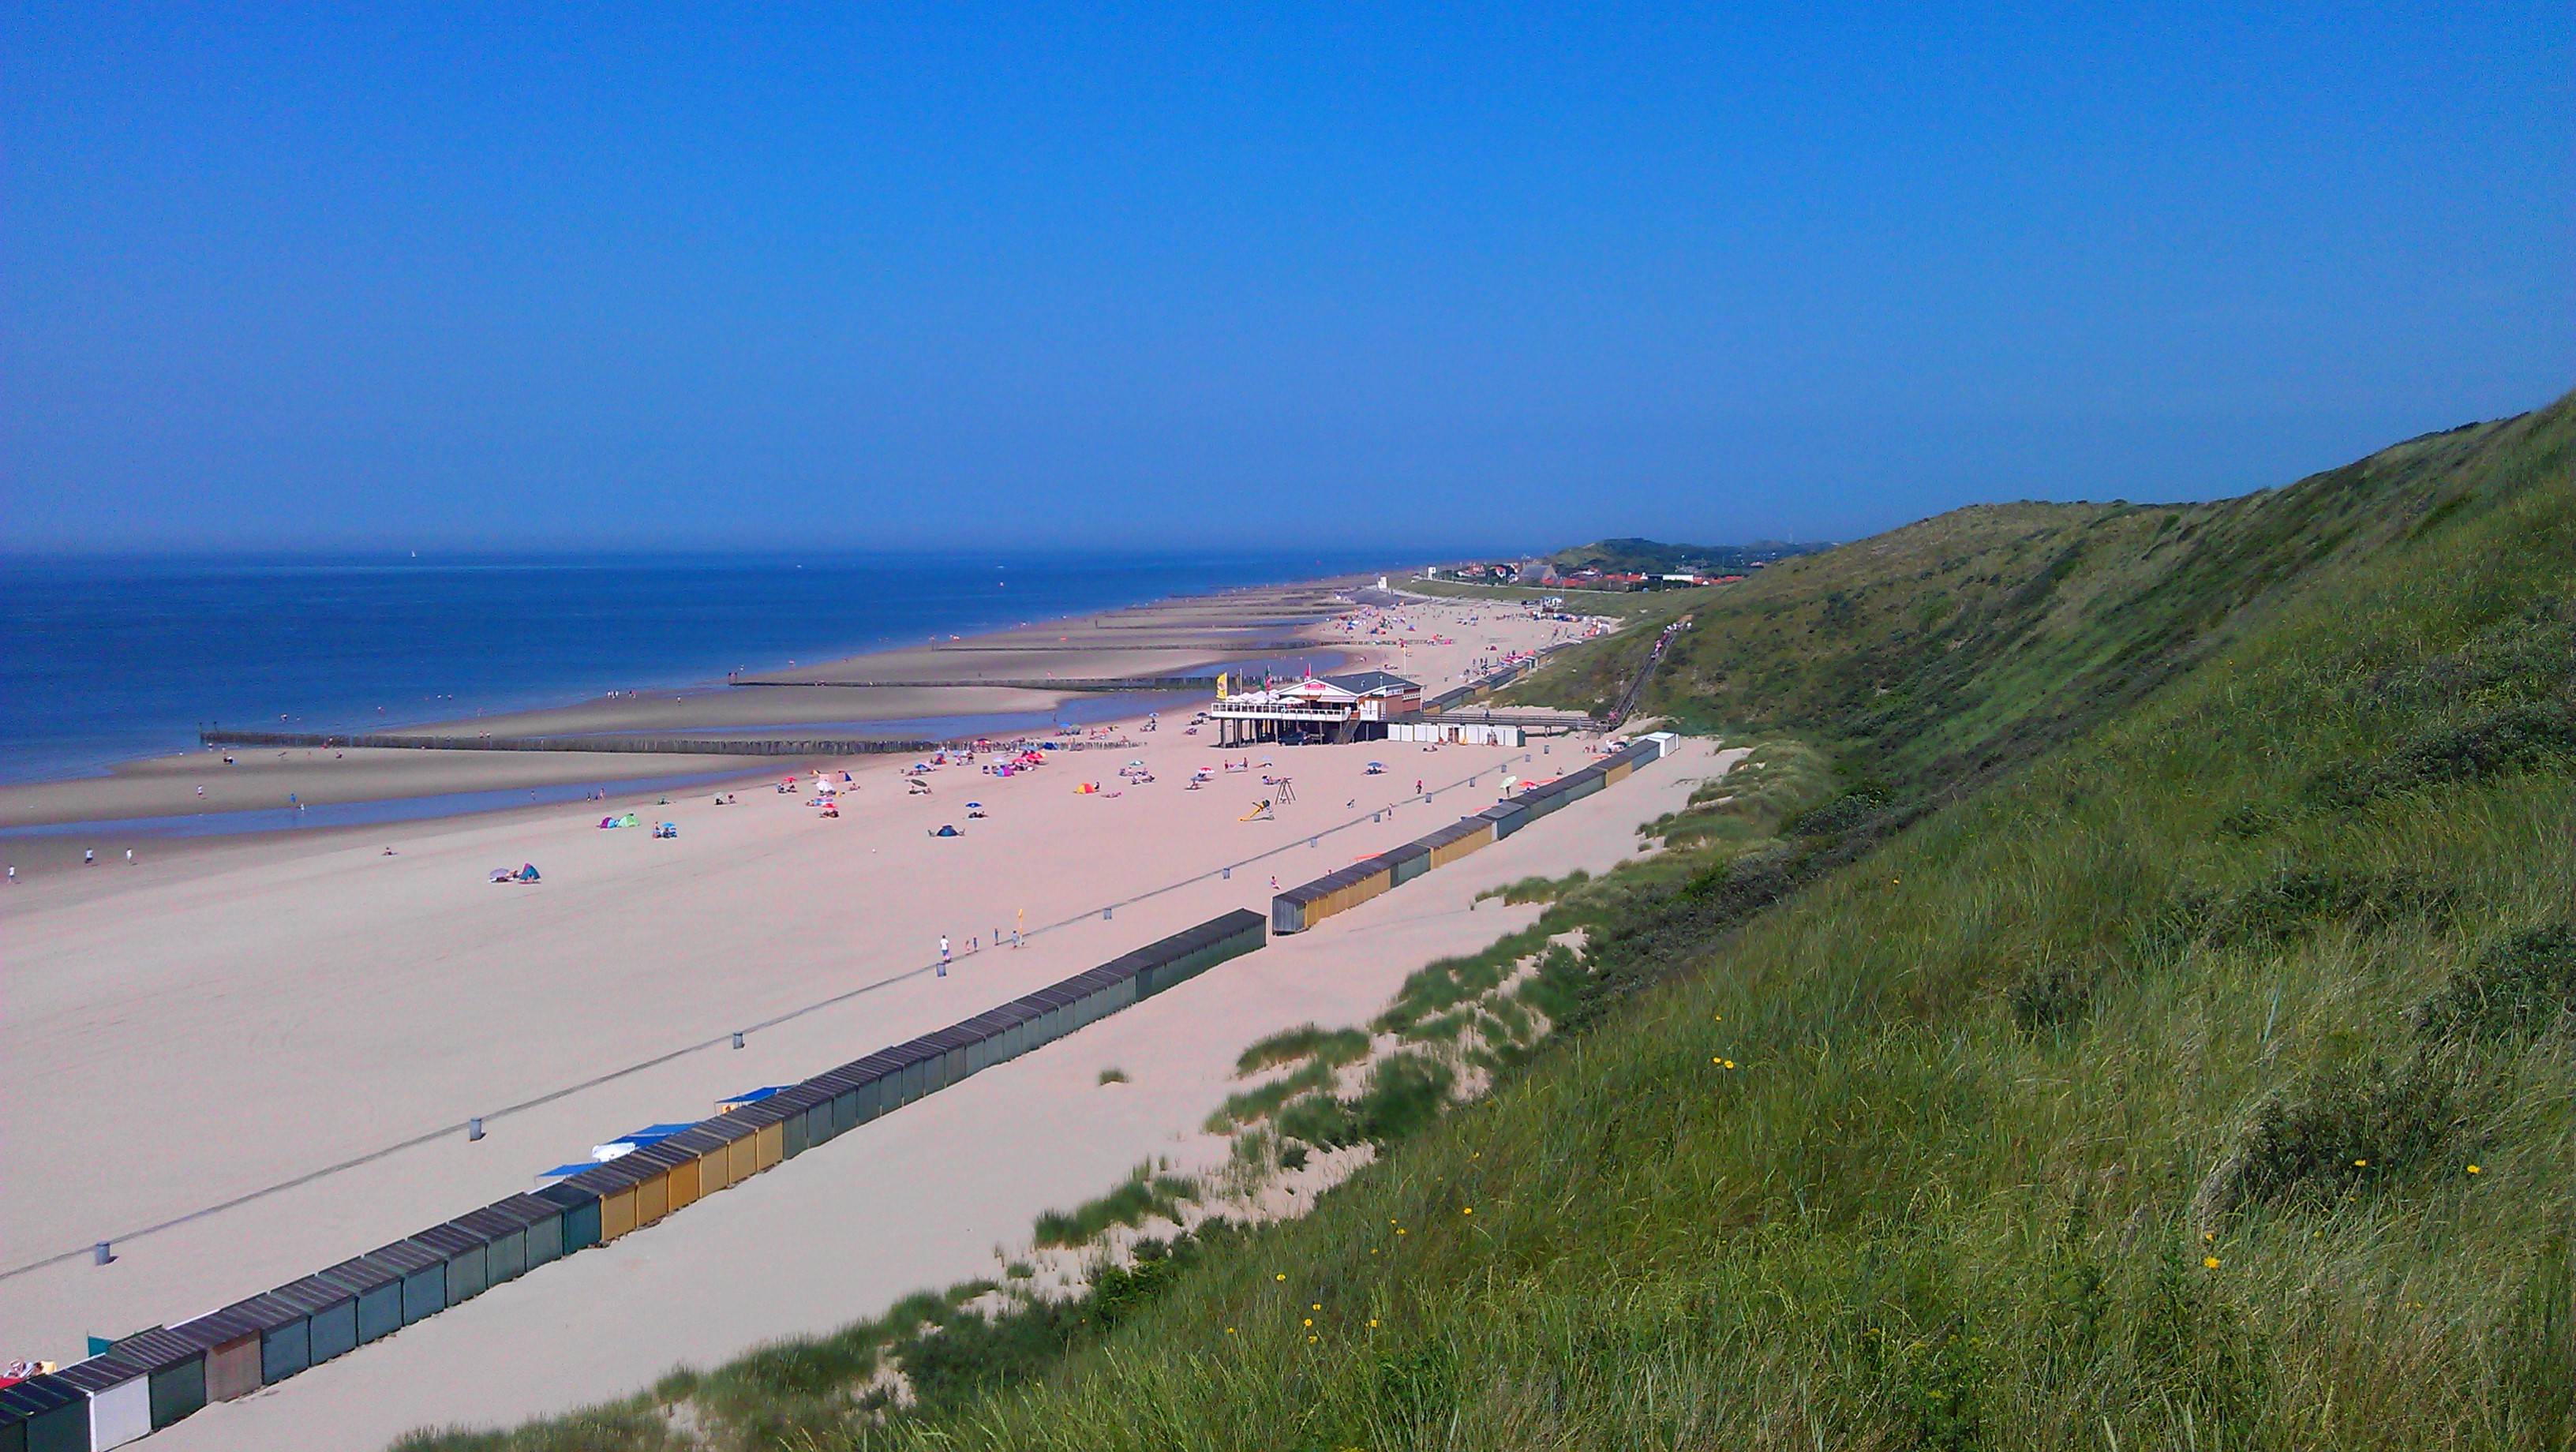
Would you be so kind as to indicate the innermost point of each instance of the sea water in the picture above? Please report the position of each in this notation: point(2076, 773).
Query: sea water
point(107, 660)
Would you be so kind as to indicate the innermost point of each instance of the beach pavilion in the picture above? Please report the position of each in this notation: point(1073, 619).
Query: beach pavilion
point(1353, 707)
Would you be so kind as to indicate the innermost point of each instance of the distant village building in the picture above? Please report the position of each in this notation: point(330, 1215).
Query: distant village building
point(1353, 707)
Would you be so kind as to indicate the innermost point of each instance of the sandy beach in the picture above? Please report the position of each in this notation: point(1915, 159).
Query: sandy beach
point(923, 1197)
point(914, 690)
point(275, 1040)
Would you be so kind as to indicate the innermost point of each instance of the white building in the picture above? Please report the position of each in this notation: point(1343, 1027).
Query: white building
point(1318, 708)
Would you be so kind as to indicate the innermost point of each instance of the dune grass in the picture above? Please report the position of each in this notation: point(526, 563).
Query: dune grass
point(2150, 1028)
point(1331, 1047)
point(1143, 1194)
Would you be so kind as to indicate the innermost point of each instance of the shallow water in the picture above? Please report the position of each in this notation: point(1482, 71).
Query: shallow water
point(107, 660)
point(356, 814)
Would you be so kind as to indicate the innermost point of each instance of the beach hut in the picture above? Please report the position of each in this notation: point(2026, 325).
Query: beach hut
point(462, 1255)
point(518, 1234)
point(727, 1161)
point(1192, 951)
point(698, 1156)
point(612, 1185)
point(1506, 817)
point(1303, 906)
point(231, 1340)
point(1063, 1010)
point(687, 1175)
point(794, 1107)
point(724, 1153)
point(1167, 961)
point(769, 1133)
point(823, 1116)
point(651, 1173)
point(120, 1399)
point(1406, 863)
point(174, 1371)
point(1105, 992)
point(858, 1091)
point(955, 1046)
point(313, 1320)
point(1539, 801)
point(424, 1277)
point(986, 1034)
point(171, 1369)
point(379, 1287)
point(1001, 1037)
point(577, 1218)
point(44, 1414)
point(1458, 839)
point(886, 1068)
point(1057, 1011)
point(903, 1076)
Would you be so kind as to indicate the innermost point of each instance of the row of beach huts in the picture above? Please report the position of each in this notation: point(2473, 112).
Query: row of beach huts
point(151, 1379)
point(1303, 906)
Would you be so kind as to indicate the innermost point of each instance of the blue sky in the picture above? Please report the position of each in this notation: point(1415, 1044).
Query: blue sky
point(295, 278)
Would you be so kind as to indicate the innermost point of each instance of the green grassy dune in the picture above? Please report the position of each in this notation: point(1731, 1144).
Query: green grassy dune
point(2128, 1001)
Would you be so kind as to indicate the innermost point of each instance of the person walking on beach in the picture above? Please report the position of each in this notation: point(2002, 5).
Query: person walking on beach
point(943, 955)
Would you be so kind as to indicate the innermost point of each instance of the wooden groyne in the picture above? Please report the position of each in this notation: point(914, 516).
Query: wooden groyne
point(626, 745)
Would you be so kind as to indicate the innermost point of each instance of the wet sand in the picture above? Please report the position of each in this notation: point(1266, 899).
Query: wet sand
point(1178, 637)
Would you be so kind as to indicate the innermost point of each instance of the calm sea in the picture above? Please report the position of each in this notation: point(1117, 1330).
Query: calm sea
point(108, 660)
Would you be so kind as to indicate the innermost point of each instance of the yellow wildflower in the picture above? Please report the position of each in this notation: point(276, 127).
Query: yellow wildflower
point(1283, 1275)
point(2473, 1169)
point(2211, 1262)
